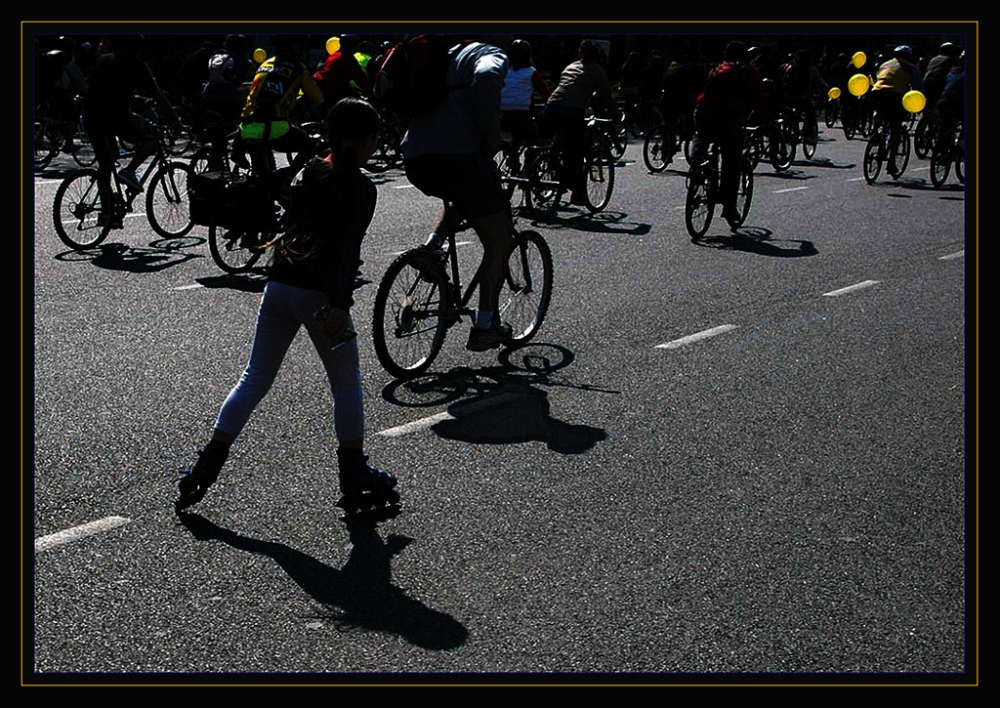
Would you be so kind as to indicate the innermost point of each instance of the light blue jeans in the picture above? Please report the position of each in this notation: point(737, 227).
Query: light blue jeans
point(283, 309)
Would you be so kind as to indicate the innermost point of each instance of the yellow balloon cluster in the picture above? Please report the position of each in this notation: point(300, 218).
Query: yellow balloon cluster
point(833, 93)
point(858, 84)
point(914, 101)
point(333, 45)
point(859, 59)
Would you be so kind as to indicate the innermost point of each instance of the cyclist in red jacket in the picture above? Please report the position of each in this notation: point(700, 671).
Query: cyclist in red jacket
point(732, 90)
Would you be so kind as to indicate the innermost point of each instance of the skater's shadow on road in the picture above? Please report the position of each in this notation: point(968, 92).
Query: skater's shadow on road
point(359, 595)
point(502, 405)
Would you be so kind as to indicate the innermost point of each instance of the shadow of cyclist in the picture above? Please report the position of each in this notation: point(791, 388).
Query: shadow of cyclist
point(757, 240)
point(133, 259)
point(502, 404)
point(359, 595)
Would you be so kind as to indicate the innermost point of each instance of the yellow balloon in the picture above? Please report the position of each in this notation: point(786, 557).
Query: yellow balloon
point(333, 45)
point(859, 59)
point(914, 101)
point(833, 93)
point(259, 55)
point(857, 85)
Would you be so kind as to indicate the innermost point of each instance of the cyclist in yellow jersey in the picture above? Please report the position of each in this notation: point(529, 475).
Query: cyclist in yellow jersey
point(265, 123)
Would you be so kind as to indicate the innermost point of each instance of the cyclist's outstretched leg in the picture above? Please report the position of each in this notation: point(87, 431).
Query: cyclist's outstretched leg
point(495, 232)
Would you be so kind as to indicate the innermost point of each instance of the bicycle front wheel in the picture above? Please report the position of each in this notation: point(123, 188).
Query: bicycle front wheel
point(167, 205)
point(236, 250)
point(699, 205)
point(412, 314)
point(527, 290)
point(600, 177)
point(77, 211)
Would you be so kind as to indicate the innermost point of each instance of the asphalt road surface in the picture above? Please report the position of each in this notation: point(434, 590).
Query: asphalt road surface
point(737, 457)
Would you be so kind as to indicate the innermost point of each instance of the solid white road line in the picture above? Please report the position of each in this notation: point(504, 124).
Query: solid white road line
point(851, 288)
point(952, 256)
point(78, 532)
point(698, 336)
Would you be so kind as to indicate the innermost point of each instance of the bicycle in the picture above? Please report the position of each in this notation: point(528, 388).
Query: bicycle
point(545, 188)
point(703, 192)
point(82, 222)
point(948, 150)
point(49, 138)
point(421, 296)
point(889, 144)
point(925, 134)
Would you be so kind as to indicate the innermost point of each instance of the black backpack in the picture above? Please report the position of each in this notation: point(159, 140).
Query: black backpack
point(412, 76)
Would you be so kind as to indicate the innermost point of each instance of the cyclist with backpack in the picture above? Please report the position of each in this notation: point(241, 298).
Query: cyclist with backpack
point(448, 152)
point(266, 118)
point(310, 283)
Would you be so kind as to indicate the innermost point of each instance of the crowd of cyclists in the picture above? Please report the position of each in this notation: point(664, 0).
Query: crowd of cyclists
point(250, 103)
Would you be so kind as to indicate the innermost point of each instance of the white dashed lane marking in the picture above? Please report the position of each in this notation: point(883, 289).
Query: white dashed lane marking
point(77, 532)
point(697, 337)
point(851, 288)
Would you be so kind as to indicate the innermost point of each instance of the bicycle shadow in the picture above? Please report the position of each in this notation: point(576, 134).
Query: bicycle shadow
point(502, 405)
point(132, 259)
point(758, 240)
point(608, 222)
point(361, 594)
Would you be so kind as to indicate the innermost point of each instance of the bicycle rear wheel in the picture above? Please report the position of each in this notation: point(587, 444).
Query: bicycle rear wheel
point(76, 211)
point(699, 205)
point(527, 290)
point(653, 150)
point(600, 178)
point(542, 196)
point(901, 157)
point(873, 158)
point(412, 313)
point(167, 206)
point(744, 194)
point(940, 165)
point(782, 152)
point(810, 138)
point(236, 250)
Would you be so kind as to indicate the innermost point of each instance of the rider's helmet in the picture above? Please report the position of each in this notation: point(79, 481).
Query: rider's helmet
point(949, 49)
point(903, 51)
point(735, 51)
point(519, 51)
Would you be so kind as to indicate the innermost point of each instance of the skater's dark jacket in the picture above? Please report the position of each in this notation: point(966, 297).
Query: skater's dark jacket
point(332, 206)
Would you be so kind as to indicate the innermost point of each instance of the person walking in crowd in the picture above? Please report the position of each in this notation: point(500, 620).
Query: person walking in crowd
point(310, 284)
